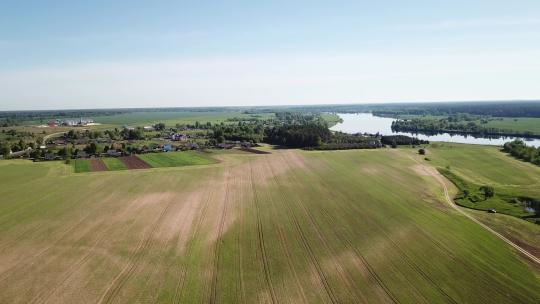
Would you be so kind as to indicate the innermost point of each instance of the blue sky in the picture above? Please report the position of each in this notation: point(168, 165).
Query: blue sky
point(88, 54)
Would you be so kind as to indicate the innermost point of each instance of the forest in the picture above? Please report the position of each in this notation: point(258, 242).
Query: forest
point(457, 123)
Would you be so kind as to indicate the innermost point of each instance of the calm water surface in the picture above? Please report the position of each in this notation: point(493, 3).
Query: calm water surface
point(367, 123)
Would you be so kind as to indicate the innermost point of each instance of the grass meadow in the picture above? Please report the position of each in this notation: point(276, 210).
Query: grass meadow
point(81, 165)
point(521, 124)
point(357, 226)
point(114, 164)
point(172, 118)
point(175, 159)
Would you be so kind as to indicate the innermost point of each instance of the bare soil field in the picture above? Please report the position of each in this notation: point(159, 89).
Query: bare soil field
point(287, 227)
point(97, 164)
point(133, 162)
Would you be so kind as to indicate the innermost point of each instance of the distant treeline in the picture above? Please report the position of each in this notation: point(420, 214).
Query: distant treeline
point(495, 109)
point(520, 150)
point(490, 108)
point(460, 123)
point(15, 118)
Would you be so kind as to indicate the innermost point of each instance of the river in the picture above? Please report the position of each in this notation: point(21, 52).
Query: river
point(367, 123)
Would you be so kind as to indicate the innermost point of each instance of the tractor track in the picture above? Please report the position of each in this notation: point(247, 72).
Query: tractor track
point(180, 286)
point(146, 242)
point(348, 243)
point(262, 246)
point(217, 246)
point(314, 261)
point(30, 230)
point(42, 252)
point(242, 292)
point(75, 267)
point(283, 243)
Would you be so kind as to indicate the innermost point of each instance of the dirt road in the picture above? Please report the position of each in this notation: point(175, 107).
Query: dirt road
point(450, 201)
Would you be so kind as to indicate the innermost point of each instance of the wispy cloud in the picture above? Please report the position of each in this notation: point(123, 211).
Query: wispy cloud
point(293, 78)
point(459, 24)
point(143, 37)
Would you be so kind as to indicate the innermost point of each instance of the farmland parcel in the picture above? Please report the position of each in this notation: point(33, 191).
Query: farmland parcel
point(291, 226)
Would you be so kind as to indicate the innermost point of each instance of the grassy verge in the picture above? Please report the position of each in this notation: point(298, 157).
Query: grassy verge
point(114, 164)
point(471, 196)
point(175, 159)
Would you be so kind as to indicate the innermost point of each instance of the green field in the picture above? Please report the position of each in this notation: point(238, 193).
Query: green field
point(172, 118)
point(114, 164)
point(487, 165)
point(521, 124)
point(81, 165)
point(360, 226)
point(175, 159)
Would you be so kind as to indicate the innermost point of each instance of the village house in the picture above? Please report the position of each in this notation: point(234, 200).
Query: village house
point(177, 136)
point(167, 148)
point(50, 156)
point(113, 153)
point(81, 154)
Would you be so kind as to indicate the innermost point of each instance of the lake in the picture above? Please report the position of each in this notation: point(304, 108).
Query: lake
point(367, 123)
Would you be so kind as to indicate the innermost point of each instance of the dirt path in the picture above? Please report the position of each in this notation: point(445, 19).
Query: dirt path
point(450, 201)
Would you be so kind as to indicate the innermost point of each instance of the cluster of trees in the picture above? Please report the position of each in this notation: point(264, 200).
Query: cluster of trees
point(242, 131)
point(196, 125)
point(298, 135)
point(519, 149)
point(398, 140)
point(453, 124)
point(14, 141)
point(132, 134)
point(302, 130)
point(76, 134)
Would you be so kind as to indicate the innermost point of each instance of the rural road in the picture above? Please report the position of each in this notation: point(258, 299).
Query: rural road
point(450, 201)
point(46, 137)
